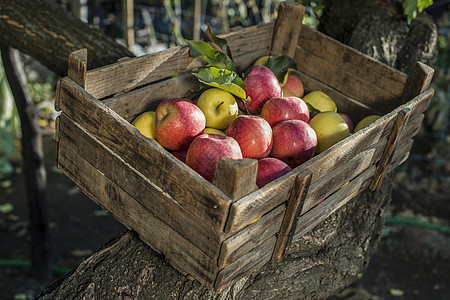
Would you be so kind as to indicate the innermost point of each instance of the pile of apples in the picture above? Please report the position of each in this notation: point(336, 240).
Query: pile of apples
point(274, 127)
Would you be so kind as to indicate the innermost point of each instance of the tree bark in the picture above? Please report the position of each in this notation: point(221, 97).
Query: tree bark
point(316, 266)
point(43, 30)
point(33, 156)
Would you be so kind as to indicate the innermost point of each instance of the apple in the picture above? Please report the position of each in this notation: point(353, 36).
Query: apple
point(280, 109)
point(320, 101)
point(253, 134)
point(330, 128)
point(260, 84)
point(178, 123)
point(206, 150)
point(366, 122)
point(348, 120)
point(146, 124)
point(213, 131)
point(269, 169)
point(181, 155)
point(292, 85)
point(294, 142)
point(219, 107)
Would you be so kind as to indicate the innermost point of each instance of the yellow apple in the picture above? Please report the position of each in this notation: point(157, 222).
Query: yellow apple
point(213, 131)
point(146, 124)
point(330, 128)
point(366, 122)
point(320, 101)
point(219, 107)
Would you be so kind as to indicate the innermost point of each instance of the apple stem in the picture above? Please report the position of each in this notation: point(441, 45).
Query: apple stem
point(217, 108)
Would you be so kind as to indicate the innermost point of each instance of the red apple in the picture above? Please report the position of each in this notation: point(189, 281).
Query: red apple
point(178, 123)
point(181, 155)
point(292, 86)
point(253, 134)
point(260, 84)
point(294, 142)
point(269, 169)
point(206, 150)
point(280, 109)
point(348, 120)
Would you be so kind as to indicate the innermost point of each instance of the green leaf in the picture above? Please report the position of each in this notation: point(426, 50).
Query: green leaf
point(215, 58)
point(312, 110)
point(410, 9)
point(209, 37)
point(280, 65)
point(223, 79)
point(6, 208)
point(422, 4)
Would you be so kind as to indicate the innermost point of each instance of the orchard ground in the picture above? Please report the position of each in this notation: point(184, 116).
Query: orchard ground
point(411, 262)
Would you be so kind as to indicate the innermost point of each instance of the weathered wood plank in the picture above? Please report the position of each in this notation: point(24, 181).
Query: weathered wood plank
point(394, 137)
point(178, 251)
point(353, 64)
point(77, 67)
point(293, 209)
point(287, 28)
point(339, 176)
point(131, 73)
point(324, 209)
point(418, 81)
point(73, 136)
point(183, 184)
point(246, 264)
point(251, 236)
point(236, 178)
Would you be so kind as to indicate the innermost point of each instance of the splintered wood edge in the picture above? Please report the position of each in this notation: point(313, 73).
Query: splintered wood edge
point(77, 67)
point(287, 29)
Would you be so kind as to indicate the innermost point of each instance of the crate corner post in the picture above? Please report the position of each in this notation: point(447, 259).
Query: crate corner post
point(77, 67)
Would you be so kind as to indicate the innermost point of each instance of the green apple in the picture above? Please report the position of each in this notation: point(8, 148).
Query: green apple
point(261, 61)
point(219, 107)
point(330, 128)
point(320, 101)
point(366, 122)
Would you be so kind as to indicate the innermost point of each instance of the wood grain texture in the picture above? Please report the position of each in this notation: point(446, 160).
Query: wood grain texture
point(293, 209)
point(178, 251)
point(182, 183)
point(248, 263)
point(287, 28)
point(77, 67)
point(236, 178)
point(251, 236)
point(352, 73)
point(418, 81)
point(132, 73)
point(140, 188)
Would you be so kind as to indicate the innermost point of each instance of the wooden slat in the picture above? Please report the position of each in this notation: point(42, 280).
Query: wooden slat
point(293, 209)
point(132, 73)
point(349, 71)
point(394, 137)
point(339, 176)
point(400, 152)
point(73, 136)
point(183, 184)
point(248, 263)
point(78, 66)
point(418, 81)
point(251, 236)
point(324, 209)
point(178, 251)
point(287, 28)
point(236, 178)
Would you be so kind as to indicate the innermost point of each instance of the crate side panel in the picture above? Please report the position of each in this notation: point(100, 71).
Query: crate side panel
point(349, 71)
point(248, 263)
point(324, 209)
point(182, 183)
point(251, 236)
point(134, 72)
point(140, 188)
point(340, 176)
point(178, 251)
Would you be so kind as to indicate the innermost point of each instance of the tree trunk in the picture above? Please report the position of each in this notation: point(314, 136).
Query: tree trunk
point(316, 266)
point(33, 156)
point(43, 30)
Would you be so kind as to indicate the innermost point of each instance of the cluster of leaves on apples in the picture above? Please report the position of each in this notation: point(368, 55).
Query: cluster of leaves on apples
point(264, 118)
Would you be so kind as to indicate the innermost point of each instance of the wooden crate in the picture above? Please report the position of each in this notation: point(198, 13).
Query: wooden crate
point(221, 231)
